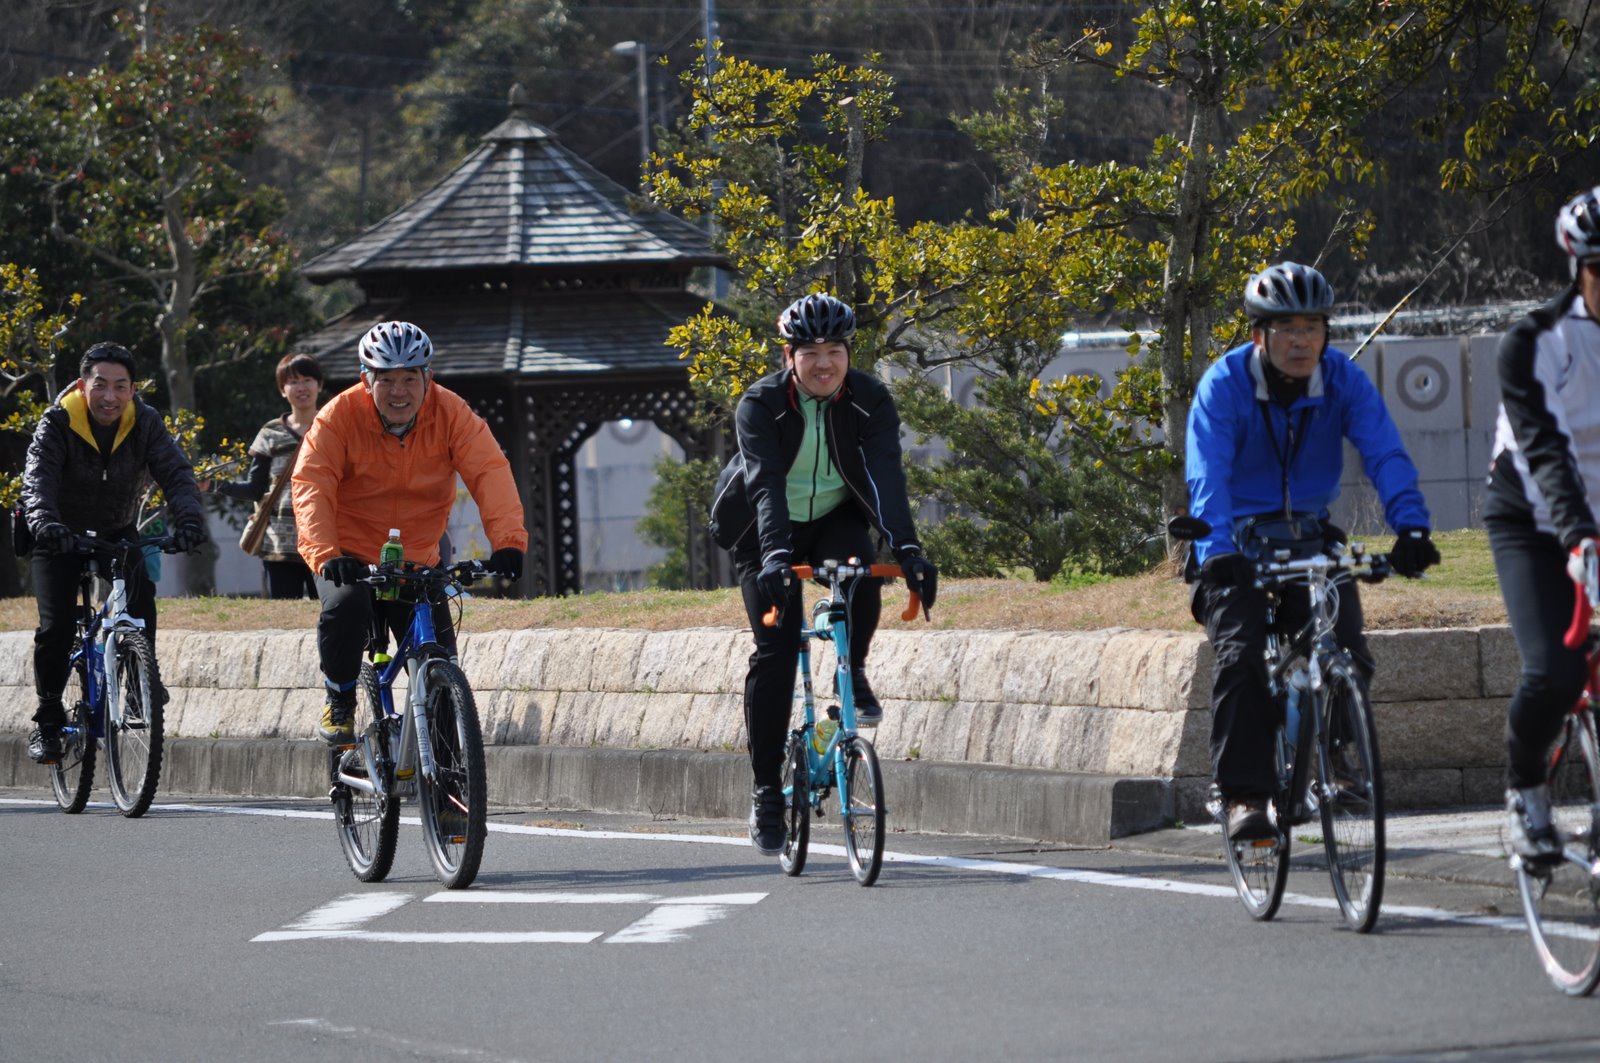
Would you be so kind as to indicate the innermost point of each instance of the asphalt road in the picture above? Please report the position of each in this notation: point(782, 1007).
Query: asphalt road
point(233, 930)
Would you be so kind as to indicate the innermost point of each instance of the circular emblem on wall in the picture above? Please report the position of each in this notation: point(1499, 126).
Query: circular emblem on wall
point(1422, 383)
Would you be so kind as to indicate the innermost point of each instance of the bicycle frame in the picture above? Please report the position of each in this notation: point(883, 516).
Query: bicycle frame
point(830, 621)
point(1308, 652)
point(419, 650)
point(100, 629)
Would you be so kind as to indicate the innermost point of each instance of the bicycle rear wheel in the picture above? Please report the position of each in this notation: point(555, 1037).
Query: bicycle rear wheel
point(368, 825)
point(862, 809)
point(454, 802)
point(72, 776)
point(1352, 801)
point(134, 728)
point(796, 782)
point(1562, 900)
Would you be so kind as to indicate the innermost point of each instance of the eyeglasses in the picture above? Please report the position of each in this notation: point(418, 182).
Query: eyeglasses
point(1298, 332)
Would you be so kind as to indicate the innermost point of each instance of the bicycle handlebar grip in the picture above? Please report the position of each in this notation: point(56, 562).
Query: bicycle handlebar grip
point(1582, 611)
point(802, 571)
point(770, 617)
point(913, 607)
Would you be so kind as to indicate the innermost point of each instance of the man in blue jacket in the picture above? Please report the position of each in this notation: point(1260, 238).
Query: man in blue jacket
point(1266, 446)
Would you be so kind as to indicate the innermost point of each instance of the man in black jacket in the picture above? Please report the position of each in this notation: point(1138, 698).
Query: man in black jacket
point(91, 457)
point(818, 468)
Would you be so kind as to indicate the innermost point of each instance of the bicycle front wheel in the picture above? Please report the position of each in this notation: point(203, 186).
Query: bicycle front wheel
point(796, 783)
point(1352, 801)
point(368, 824)
point(863, 809)
point(454, 802)
point(133, 728)
point(72, 776)
point(1562, 900)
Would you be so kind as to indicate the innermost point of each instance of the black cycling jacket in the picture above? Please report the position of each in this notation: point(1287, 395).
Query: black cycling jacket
point(68, 480)
point(750, 505)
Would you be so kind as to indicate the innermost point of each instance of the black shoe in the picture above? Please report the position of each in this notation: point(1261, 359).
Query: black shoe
point(1248, 820)
point(766, 819)
point(868, 712)
point(44, 745)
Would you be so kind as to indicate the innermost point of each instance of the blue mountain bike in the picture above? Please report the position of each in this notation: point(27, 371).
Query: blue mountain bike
point(821, 756)
point(111, 685)
point(429, 747)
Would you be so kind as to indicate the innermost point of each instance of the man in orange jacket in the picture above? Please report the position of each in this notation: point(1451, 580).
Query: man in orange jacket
point(383, 454)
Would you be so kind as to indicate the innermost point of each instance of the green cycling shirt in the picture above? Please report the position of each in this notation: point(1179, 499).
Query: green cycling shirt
point(814, 486)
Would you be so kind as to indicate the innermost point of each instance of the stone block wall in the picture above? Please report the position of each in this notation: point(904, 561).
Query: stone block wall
point(1122, 703)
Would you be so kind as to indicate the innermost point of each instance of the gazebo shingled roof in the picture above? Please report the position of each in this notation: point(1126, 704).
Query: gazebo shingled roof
point(548, 297)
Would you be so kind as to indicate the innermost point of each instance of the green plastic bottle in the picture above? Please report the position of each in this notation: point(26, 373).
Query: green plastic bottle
point(823, 734)
point(392, 552)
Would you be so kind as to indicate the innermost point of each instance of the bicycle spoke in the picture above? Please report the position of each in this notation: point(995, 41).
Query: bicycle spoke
point(1352, 800)
point(797, 805)
point(1562, 901)
point(862, 808)
point(134, 727)
point(368, 825)
point(454, 801)
point(72, 777)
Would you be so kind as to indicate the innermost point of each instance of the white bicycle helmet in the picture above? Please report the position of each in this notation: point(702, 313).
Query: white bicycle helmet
point(1578, 228)
point(816, 318)
point(395, 345)
point(1285, 289)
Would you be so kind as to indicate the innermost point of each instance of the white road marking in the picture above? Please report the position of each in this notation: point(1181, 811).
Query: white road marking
point(349, 912)
point(667, 923)
point(422, 937)
point(956, 863)
point(385, 1039)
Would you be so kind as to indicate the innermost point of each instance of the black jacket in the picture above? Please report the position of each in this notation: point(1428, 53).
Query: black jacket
point(68, 480)
point(750, 507)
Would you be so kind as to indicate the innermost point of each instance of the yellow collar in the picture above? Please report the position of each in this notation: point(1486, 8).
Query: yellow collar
point(77, 407)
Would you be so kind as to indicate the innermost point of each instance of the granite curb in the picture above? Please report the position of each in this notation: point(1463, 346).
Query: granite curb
point(1031, 804)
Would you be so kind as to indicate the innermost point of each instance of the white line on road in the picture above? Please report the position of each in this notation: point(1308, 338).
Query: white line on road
point(955, 863)
point(349, 912)
point(407, 1045)
point(517, 897)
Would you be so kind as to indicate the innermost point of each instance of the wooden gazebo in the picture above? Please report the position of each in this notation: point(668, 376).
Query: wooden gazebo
point(548, 297)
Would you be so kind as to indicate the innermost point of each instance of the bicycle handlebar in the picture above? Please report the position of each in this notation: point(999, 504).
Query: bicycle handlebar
point(463, 572)
point(1586, 592)
point(847, 571)
point(1374, 566)
point(85, 545)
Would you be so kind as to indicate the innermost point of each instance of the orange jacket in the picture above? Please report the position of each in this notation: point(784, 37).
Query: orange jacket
point(354, 481)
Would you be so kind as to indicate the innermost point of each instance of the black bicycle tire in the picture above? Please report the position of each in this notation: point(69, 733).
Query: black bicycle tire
point(1579, 980)
point(1360, 913)
point(458, 752)
point(370, 858)
point(797, 805)
point(133, 796)
point(72, 777)
point(866, 865)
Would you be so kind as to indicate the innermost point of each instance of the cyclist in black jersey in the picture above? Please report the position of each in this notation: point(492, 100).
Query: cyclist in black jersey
point(819, 467)
point(1540, 510)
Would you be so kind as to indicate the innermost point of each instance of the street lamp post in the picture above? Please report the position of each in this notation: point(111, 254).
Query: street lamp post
point(640, 51)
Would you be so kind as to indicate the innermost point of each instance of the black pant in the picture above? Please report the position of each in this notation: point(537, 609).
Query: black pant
point(289, 579)
point(769, 685)
point(1539, 596)
point(55, 585)
point(1245, 716)
point(350, 615)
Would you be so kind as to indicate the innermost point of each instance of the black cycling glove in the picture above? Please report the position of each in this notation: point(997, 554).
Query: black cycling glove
point(922, 578)
point(188, 535)
point(775, 579)
point(342, 570)
point(1413, 552)
point(1228, 570)
point(54, 538)
point(507, 561)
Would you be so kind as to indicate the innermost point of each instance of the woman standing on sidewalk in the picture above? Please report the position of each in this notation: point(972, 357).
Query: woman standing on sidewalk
point(272, 455)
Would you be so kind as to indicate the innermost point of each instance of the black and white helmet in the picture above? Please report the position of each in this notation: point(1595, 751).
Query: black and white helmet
point(817, 318)
point(395, 345)
point(1578, 228)
point(1285, 289)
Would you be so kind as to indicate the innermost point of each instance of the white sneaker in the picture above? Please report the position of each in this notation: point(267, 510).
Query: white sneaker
point(1533, 836)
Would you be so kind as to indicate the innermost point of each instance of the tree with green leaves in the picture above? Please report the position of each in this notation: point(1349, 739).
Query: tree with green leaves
point(1268, 103)
point(135, 163)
